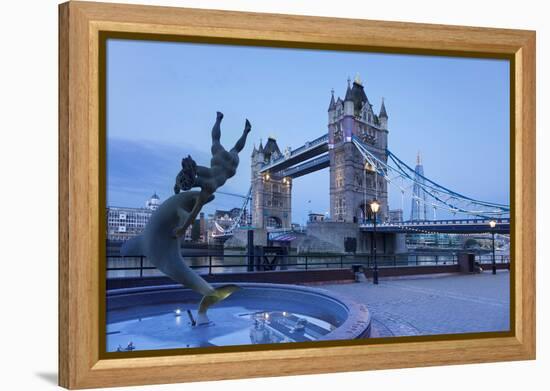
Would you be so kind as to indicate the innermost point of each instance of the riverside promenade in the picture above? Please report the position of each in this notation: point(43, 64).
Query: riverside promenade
point(435, 304)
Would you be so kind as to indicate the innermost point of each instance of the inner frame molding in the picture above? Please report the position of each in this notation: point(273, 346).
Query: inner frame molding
point(83, 26)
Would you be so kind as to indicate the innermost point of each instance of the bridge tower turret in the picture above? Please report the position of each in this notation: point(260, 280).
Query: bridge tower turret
point(271, 194)
point(383, 116)
point(332, 108)
point(383, 121)
point(352, 187)
point(348, 101)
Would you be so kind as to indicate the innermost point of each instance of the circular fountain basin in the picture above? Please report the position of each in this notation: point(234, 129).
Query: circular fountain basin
point(152, 318)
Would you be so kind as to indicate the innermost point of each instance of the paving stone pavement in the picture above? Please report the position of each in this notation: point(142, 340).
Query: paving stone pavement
point(437, 304)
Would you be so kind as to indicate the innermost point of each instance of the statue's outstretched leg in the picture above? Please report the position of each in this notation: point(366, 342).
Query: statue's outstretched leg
point(216, 135)
point(239, 145)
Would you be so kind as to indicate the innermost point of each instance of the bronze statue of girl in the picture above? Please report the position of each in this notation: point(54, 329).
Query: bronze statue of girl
point(223, 165)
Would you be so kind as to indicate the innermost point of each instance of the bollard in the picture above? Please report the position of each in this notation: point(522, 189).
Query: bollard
point(359, 273)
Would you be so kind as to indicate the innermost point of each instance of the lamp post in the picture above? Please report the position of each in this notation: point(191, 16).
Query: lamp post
point(493, 224)
point(374, 207)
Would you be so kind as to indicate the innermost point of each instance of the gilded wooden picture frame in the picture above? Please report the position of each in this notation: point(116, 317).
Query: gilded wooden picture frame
point(84, 28)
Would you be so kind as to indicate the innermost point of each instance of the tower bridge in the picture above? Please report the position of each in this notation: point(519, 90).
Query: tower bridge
point(355, 150)
point(352, 188)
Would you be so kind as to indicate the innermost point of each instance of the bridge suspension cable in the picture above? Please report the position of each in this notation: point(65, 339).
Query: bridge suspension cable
point(454, 202)
point(234, 194)
point(437, 186)
point(229, 231)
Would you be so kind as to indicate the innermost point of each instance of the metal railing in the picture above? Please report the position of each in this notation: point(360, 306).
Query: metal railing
point(139, 266)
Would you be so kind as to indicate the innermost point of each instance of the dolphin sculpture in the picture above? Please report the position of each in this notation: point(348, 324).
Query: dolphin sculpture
point(160, 241)
point(163, 249)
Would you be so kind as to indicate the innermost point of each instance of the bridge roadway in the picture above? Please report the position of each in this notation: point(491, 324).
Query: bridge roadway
point(453, 226)
point(310, 166)
point(307, 151)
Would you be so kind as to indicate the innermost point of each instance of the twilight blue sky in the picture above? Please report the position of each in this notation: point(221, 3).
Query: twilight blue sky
point(162, 100)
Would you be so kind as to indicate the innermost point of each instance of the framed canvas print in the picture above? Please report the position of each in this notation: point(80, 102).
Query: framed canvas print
point(247, 195)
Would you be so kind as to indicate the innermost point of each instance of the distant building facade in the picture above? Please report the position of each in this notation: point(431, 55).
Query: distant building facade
point(124, 223)
point(223, 220)
point(395, 216)
point(419, 207)
point(230, 215)
point(353, 186)
point(197, 232)
point(316, 217)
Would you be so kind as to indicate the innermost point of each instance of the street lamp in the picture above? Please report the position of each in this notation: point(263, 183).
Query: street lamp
point(374, 207)
point(493, 224)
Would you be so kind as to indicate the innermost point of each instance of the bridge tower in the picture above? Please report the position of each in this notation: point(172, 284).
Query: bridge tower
point(271, 194)
point(352, 185)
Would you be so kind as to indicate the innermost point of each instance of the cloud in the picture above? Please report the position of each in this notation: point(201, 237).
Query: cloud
point(136, 169)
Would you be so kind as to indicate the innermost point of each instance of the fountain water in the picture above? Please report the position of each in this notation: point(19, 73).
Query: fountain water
point(153, 317)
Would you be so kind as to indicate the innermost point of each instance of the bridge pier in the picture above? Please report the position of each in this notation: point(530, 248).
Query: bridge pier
point(400, 243)
point(386, 243)
point(335, 233)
